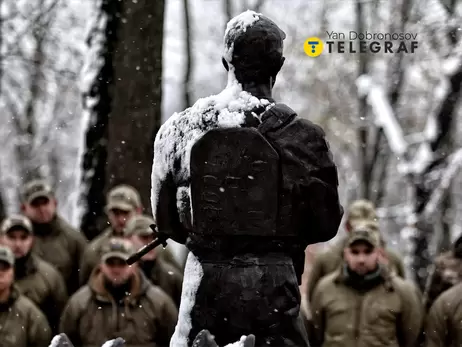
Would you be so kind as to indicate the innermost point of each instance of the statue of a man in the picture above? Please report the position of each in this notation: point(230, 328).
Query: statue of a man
point(246, 185)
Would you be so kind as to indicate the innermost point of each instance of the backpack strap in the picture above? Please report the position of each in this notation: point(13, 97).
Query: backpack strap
point(275, 118)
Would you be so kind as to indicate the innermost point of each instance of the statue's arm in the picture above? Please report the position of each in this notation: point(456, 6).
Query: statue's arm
point(322, 202)
point(163, 194)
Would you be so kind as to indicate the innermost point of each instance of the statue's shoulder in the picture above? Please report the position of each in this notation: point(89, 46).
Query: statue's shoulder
point(175, 137)
point(190, 119)
point(170, 126)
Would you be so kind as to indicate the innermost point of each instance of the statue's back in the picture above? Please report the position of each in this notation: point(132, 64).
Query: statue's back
point(249, 285)
point(234, 180)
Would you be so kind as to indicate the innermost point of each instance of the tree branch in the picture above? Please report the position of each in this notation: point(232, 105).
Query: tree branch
point(437, 196)
point(362, 110)
point(228, 11)
point(258, 5)
point(35, 22)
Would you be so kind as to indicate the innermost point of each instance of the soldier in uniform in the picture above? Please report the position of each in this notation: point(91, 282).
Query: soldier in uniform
point(246, 184)
point(56, 241)
point(362, 303)
point(328, 261)
point(442, 327)
point(34, 277)
point(119, 301)
point(447, 272)
point(123, 202)
point(22, 322)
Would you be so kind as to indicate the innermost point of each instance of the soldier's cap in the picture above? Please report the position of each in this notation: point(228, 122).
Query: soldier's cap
point(117, 248)
point(34, 189)
point(16, 221)
point(364, 233)
point(360, 210)
point(139, 225)
point(123, 197)
point(6, 255)
point(368, 224)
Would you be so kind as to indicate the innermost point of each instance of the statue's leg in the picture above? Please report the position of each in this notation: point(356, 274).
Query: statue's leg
point(193, 276)
point(238, 298)
point(209, 311)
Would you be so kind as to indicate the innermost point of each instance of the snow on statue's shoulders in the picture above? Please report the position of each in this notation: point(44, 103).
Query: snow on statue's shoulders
point(179, 133)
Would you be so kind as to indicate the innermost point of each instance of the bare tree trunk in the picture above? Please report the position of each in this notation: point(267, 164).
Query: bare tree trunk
point(96, 138)
point(446, 221)
point(362, 110)
point(31, 162)
point(27, 158)
point(189, 57)
point(2, 205)
point(252, 5)
point(445, 119)
point(137, 94)
point(441, 147)
point(228, 11)
point(447, 208)
point(378, 160)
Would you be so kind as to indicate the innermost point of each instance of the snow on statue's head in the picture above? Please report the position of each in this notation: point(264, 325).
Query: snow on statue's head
point(253, 48)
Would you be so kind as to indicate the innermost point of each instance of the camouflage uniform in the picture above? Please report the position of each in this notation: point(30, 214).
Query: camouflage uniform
point(158, 271)
point(145, 317)
point(379, 309)
point(446, 273)
point(36, 279)
point(442, 326)
point(22, 323)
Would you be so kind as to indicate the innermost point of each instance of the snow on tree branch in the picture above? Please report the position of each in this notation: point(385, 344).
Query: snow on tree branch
point(385, 118)
point(425, 155)
point(400, 211)
point(454, 164)
point(384, 115)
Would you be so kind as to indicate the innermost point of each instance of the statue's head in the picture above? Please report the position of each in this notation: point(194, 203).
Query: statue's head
point(253, 48)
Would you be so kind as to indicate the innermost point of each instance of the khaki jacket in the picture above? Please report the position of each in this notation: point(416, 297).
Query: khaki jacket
point(389, 314)
point(92, 255)
point(62, 246)
point(45, 286)
point(330, 260)
point(22, 324)
point(147, 317)
point(443, 322)
point(167, 277)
